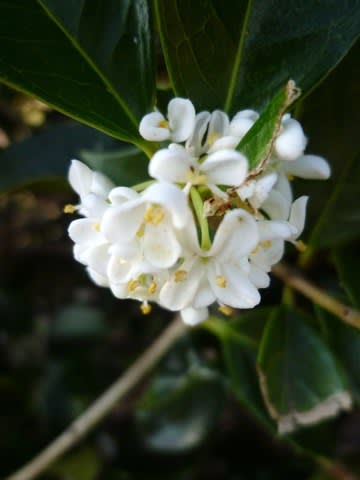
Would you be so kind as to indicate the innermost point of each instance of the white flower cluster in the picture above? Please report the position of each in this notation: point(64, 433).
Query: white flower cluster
point(207, 229)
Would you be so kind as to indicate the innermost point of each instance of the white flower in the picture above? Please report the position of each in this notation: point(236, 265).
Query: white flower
point(308, 167)
point(218, 274)
point(151, 216)
point(176, 165)
point(291, 142)
point(256, 191)
point(178, 127)
point(242, 122)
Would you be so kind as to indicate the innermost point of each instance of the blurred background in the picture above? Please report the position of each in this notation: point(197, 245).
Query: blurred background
point(63, 340)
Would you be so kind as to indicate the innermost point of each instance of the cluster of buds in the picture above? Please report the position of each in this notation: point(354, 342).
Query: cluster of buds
point(207, 229)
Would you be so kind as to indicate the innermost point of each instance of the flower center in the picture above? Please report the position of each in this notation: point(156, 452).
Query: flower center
point(154, 215)
point(221, 281)
point(180, 275)
point(163, 124)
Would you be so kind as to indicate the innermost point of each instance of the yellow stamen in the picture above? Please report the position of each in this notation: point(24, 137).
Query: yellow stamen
point(266, 243)
point(197, 178)
point(225, 310)
point(141, 231)
point(145, 308)
point(212, 138)
point(152, 287)
point(180, 275)
point(96, 227)
point(154, 215)
point(290, 177)
point(221, 281)
point(69, 208)
point(133, 285)
point(163, 124)
point(256, 249)
point(300, 246)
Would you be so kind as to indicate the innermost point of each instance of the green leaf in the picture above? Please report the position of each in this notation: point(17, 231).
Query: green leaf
point(126, 166)
point(239, 340)
point(300, 379)
point(180, 406)
point(347, 264)
point(344, 341)
point(90, 59)
point(339, 220)
point(234, 55)
point(82, 464)
point(257, 144)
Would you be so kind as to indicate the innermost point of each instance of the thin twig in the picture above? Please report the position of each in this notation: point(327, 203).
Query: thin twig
point(103, 405)
point(294, 280)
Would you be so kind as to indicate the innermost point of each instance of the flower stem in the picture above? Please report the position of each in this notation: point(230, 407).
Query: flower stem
point(294, 280)
point(199, 211)
point(103, 405)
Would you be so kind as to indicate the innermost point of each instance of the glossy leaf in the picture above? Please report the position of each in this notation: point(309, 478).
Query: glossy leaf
point(126, 166)
point(258, 142)
point(47, 155)
point(347, 264)
point(234, 55)
point(339, 220)
point(82, 464)
point(89, 59)
point(182, 402)
point(300, 379)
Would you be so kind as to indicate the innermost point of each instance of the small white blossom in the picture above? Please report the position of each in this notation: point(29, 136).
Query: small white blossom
point(179, 126)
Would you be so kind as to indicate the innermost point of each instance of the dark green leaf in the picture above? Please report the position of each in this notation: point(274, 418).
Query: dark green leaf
point(339, 220)
point(345, 343)
point(234, 55)
point(258, 142)
point(47, 155)
point(300, 379)
point(127, 166)
point(180, 406)
point(239, 341)
point(89, 59)
point(347, 262)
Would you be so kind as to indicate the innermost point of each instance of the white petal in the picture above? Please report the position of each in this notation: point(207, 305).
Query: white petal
point(181, 115)
point(120, 195)
point(239, 292)
point(204, 295)
point(161, 247)
point(93, 205)
point(176, 295)
point(298, 214)
point(170, 165)
point(225, 167)
point(98, 258)
point(84, 231)
point(236, 235)
point(291, 142)
point(195, 143)
point(247, 189)
point(271, 230)
point(284, 187)
point(242, 122)
point(258, 277)
point(194, 316)
point(99, 280)
point(101, 185)
point(79, 252)
point(80, 177)
point(276, 206)
point(264, 258)
point(223, 143)
point(218, 126)
point(119, 270)
point(262, 189)
point(119, 290)
point(150, 128)
point(121, 222)
point(309, 167)
point(171, 197)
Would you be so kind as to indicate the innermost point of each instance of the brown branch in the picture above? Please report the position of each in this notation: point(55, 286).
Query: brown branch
point(296, 281)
